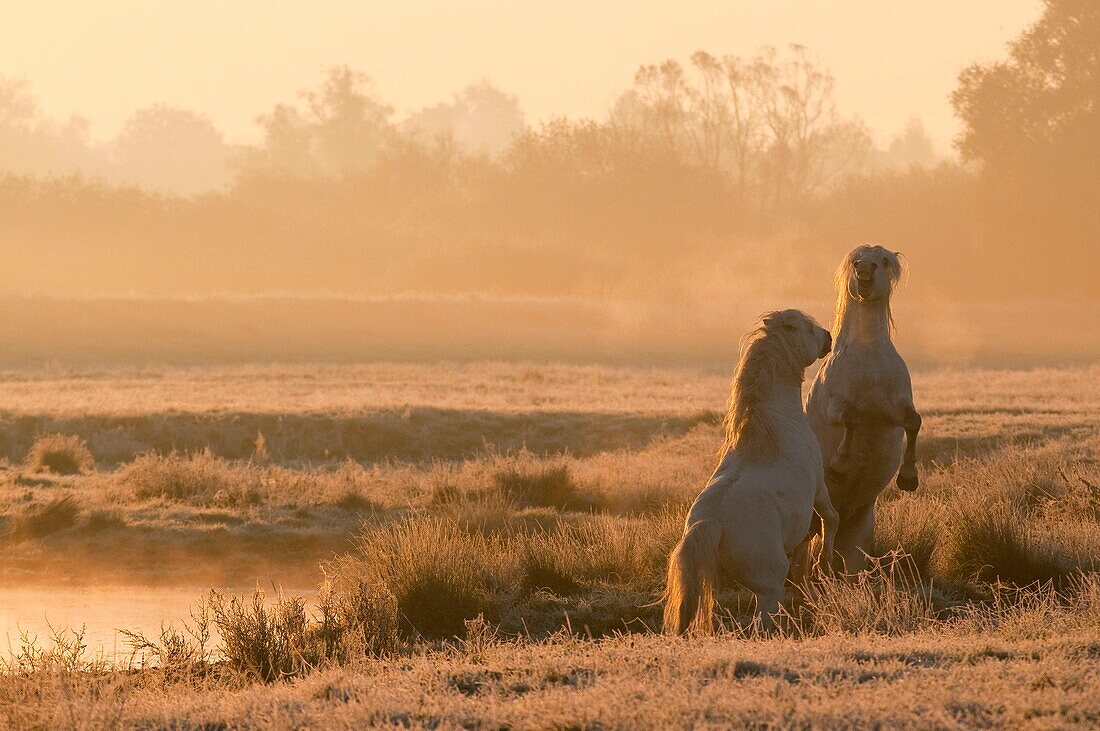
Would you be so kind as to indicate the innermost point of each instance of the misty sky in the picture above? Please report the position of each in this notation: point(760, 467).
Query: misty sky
point(234, 60)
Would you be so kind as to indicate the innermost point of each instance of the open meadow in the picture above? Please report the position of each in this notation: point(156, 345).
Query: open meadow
point(362, 363)
point(482, 545)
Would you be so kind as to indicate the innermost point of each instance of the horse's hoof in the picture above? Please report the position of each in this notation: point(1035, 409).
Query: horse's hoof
point(908, 480)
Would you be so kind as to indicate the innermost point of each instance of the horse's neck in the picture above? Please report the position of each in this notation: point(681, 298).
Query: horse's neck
point(865, 324)
point(785, 400)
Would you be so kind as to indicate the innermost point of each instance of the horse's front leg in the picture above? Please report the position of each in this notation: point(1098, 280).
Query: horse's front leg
point(907, 475)
point(846, 415)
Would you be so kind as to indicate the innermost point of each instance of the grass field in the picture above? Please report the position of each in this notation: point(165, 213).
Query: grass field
point(489, 539)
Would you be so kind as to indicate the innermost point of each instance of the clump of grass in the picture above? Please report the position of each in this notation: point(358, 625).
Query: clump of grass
point(101, 520)
point(485, 511)
point(547, 567)
point(890, 598)
point(199, 478)
point(260, 452)
point(909, 527)
point(356, 502)
point(995, 544)
point(618, 550)
point(61, 454)
point(39, 521)
point(439, 574)
point(526, 578)
point(538, 483)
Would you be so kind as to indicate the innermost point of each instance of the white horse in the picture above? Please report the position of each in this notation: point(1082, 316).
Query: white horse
point(861, 402)
point(759, 504)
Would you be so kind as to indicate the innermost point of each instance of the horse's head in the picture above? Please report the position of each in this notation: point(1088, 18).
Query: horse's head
point(869, 273)
point(805, 339)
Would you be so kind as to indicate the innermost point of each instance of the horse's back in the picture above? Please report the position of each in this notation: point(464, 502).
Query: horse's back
point(763, 501)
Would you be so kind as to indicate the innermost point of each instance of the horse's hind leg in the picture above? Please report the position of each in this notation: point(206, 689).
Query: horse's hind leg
point(907, 475)
point(767, 607)
point(830, 520)
point(853, 539)
point(767, 580)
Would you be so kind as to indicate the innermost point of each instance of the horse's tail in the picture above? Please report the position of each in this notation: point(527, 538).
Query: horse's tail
point(692, 577)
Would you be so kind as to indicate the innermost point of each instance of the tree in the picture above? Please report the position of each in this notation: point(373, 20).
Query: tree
point(171, 149)
point(350, 126)
point(1032, 123)
point(482, 119)
point(31, 143)
point(343, 128)
point(913, 146)
point(1044, 99)
point(769, 122)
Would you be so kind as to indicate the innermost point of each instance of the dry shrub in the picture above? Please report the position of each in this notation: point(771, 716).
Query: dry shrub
point(64, 656)
point(39, 521)
point(260, 452)
point(199, 478)
point(269, 643)
point(176, 653)
point(889, 598)
point(282, 640)
point(61, 454)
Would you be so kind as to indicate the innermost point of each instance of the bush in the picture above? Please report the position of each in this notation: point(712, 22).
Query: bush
point(269, 643)
point(282, 640)
point(61, 454)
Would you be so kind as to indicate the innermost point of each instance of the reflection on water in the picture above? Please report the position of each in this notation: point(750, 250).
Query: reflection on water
point(102, 611)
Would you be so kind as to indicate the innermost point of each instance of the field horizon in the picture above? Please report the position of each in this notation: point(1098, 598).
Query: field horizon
point(111, 331)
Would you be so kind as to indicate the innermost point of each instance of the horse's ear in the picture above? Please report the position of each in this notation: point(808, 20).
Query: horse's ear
point(791, 319)
point(777, 318)
point(901, 264)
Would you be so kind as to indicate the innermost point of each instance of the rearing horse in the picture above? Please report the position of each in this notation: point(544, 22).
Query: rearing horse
point(861, 402)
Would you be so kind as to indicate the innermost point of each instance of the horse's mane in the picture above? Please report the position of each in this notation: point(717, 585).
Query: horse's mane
point(843, 275)
point(767, 354)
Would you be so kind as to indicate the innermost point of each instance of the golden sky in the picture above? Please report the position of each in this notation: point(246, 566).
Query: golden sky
point(234, 60)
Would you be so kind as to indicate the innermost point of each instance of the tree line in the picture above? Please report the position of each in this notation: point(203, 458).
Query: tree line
point(719, 176)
